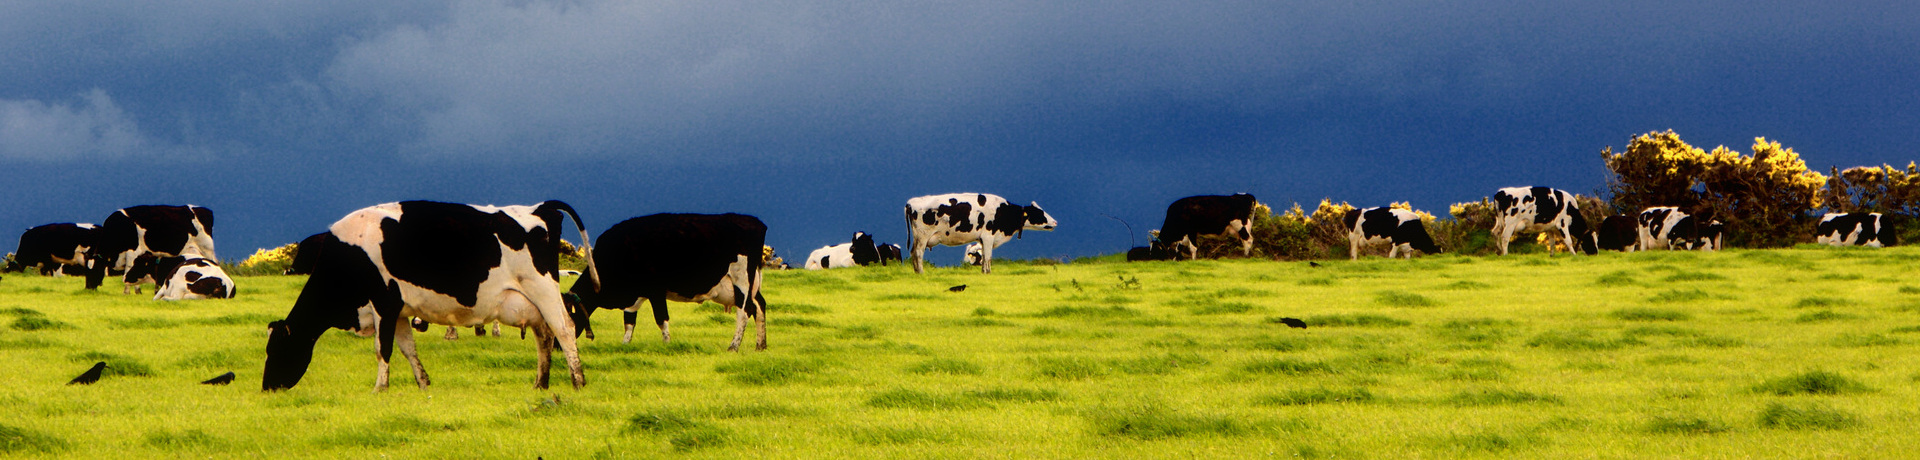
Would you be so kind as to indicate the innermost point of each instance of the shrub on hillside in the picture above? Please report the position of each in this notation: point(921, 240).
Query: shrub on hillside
point(1767, 196)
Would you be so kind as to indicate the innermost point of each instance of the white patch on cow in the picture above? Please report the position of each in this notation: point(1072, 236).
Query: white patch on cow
point(1520, 218)
point(1357, 239)
point(1847, 236)
point(1658, 236)
point(836, 256)
point(176, 286)
point(945, 231)
point(973, 254)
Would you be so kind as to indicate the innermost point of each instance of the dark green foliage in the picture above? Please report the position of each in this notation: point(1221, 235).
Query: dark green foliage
point(1403, 299)
point(15, 440)
point(1579, 340)
point(1148, 422)
point(945, 366)
point(1088, 312)
point(1160, 365)
point(918, 400)
point(1286, 366)
point(899, 297)
point(1069, 368)
point(1910, 289)
point(1823, 315)
point(38, 323)
point(1223, 308)
point(782, 322)
point(1679, 276)
point(1353, 320)
point(700, 437)
point(767, 371)
point(657, 422)
point(885, 435)
point(1821, 302)
point(1499, 398)
point(862, 332)
point(1684, 425)
point(188, 439)
point(1864, 340)
point(983, 322)
point(249, 319)
point(1317, 282)
point(21, 311)
point(1619, 278)
point(117, 365)
point(1650, 314)
point(1465, 285)
point(1812, 383)
point(1015, 395)
point(1806, 416)
point(1319, 395)
point(1476, 331)
point(800, 308)
point(1678, 295)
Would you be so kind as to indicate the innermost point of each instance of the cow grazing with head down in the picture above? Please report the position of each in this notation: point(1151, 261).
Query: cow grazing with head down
point(1400, 228)
point(1619, 233)
point(679, 257)
point(192, 277)
point(889, 252)
point(1710, 236)
point(52, 248)
point(1192, 217)
point(956, 219)
point(156, 230)
point(444, 263)
point(858, 253)
point(1538, 209)
point(1853, 229)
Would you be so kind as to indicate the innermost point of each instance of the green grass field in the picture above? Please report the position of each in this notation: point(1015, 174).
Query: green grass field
point(1777, 353)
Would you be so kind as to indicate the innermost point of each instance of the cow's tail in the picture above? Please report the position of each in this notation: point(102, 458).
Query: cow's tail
point(586, 243)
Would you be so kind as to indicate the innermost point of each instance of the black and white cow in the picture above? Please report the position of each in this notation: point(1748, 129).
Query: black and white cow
point(1853, 229)
point(1710, 236)
point(889, 252)
point(678, 257)
point(974, 255)
point(857, 253)
point(1538, 209)
point(1667, 227)
point(445, 263)
point(303, 259)
point(1619, 232)
point(157, 230)
point(1397, 227)
point(956, 219)
point(1192, 217)
point(192, 277)
point(52, 248)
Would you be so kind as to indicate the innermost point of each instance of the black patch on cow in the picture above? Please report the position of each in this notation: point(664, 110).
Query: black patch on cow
point(888, 252)
point(685, 254)
point(210, 287)
point(958, 214)
point(981, 199)
point(825, 261)
point(863, 250)
point(446, 248)
point(1618, 232)
point(1548, 205)
point(1146, 253)
point(304, 254)
point(1378, 223)
point(1035, 215)
point(929, 217)
point(1008, 219)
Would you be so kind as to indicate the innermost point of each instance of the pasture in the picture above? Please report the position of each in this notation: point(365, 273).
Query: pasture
point(1806, 352)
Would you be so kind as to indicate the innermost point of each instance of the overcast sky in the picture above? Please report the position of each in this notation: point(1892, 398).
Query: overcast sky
point(823, 117)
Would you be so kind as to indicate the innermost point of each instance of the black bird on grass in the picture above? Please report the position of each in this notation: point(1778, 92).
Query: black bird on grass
point(1313, 264)
point(221, 379)
point(90, 376)
point(959, 288)
point(1294, 322)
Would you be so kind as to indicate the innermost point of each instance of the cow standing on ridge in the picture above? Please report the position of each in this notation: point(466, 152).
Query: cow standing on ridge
point(1538, 209)
point(1192, 217)
point(1400, 228)
point(152, 230)
point(679, 257)
point(445, 263)
point(956, 219)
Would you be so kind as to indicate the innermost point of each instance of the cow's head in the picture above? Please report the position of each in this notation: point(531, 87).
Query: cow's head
point(289, 351)
point(864, 252)
point(1037, 219)
point(580, 307)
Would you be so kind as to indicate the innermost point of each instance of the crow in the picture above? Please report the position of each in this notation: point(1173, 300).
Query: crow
point(221, 379)
point(1313, 264)
point(959, 288)
point(90, 376)
point(1293, 322)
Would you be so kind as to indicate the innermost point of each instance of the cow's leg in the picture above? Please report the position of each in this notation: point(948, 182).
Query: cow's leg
point(452, 333)
point(1246, 237)
point(919, 255)
point(1353, 248)
point(480, 330)
point(986, 256)
point(387, 305)
point(559, 330)
point(496, 329)
point(629, 317)
point(659, 303)
point(403, 337)
point(543, 359)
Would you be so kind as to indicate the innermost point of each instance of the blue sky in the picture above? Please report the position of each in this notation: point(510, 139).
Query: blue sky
point(823, 117)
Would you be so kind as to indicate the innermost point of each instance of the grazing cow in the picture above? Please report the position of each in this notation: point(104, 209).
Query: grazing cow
point(1619, 233)
point(445, 263)
point(303, 259)
point(680, 257)
point(192, 277)
point(1538, 209)
point(157, 230)
point(53, 247)
point(1854, 229)
point(1667, 227)
point(860, 252)
point(889, 252)
point(1192, 217)
point(959, 218)
point(1398, 227)
point(1710, 235)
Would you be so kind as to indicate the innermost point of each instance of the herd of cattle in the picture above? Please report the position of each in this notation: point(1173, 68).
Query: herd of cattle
point(469, 265)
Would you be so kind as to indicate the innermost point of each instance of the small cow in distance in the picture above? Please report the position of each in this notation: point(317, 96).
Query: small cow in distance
point(444, 263)
point(678, 257)
point(1854, 229)
point(191, 277)
point(1192, 217)
point(956, 219)
point(974, 257)
point(1710, 236)
point(1538, 209)
point(889, 252)
point(1661, 227)
point(857, 253)
point(1400, 228)
point(156, 230)
point(52, 248)
point(1619, 232)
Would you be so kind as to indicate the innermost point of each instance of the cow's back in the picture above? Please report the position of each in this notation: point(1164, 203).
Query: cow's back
point(682, 253)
